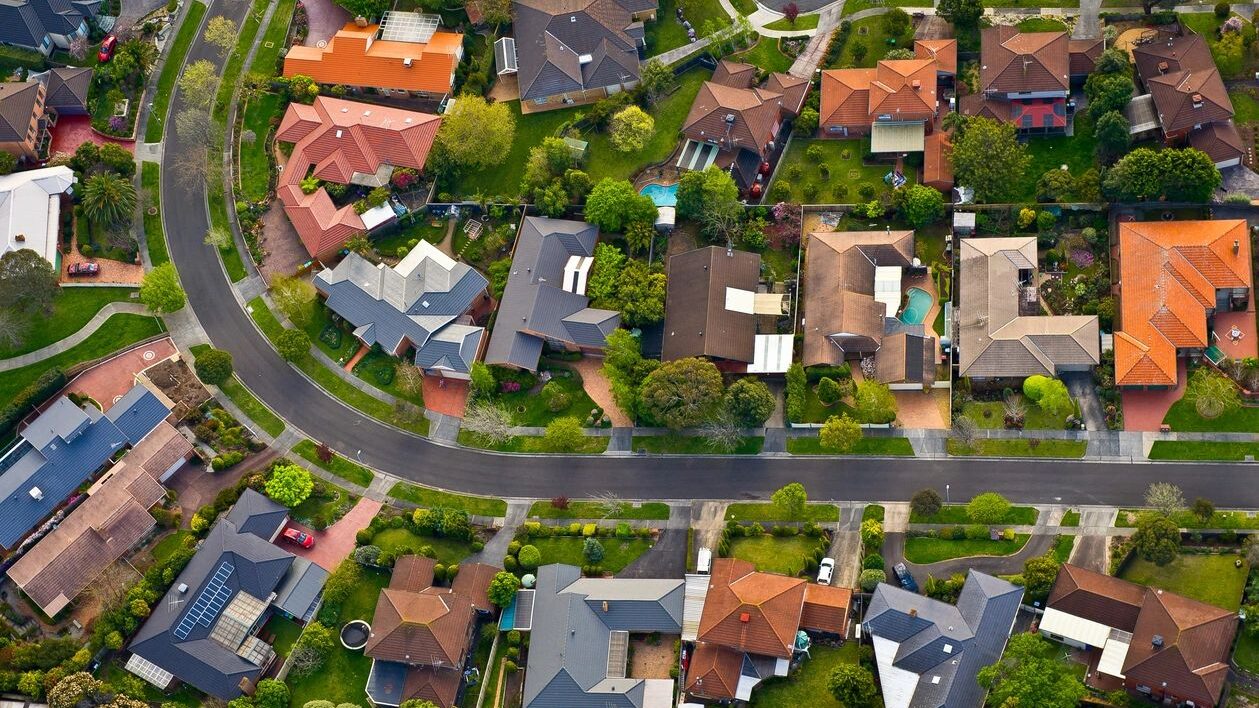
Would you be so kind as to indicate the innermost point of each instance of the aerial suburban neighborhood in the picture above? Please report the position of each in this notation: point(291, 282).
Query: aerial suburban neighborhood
point(628, 354)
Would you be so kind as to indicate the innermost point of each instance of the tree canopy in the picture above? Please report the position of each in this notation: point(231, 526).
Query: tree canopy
point(160, 290)
point(875, 402)
point(682, 393)
point(630, 129)
point(853, 686)
point(474, 135)
point(840, 433)
point(750, 401)
point(988, 508)
point(289, 484)
point(1179, 175)
point(964, 14)
point(503, 588)
point(709, 189)
point(791, 499)
point(613, 205)
point(919, 204)
point(1030, 674)
point(1157, 539)
point(985, 154)
point(213, 366)
point(28, 282)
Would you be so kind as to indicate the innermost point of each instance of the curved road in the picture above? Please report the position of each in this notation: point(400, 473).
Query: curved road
point(323, 418)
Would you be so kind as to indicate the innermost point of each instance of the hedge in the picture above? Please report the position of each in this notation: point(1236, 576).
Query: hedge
point(34, 395)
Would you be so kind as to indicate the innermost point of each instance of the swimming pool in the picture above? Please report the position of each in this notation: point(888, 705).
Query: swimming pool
point(662, 194)
point(919, 305)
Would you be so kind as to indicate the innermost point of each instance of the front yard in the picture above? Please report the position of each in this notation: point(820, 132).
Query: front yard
point(769, 511)
point(1212, 579)
point(448, 551)
point(1183, 418)
point(667, 32)
point(991, 414)
point(617, 552)
point(923, 550)
point(869, 32)
point(840, 177)
point(774, 554)
point(657, 511)
point(72, 308)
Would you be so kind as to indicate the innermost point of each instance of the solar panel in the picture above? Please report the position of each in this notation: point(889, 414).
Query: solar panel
point(408, 27)
point(209, 603)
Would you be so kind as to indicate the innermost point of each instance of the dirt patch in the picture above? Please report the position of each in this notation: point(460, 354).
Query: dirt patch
point(173, 378)
point(651, 661)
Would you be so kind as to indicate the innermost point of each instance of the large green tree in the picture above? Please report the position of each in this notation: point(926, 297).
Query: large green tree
point(964, 14)
point(1029, 673)
point(853, 686)
point(1157, 539)
point(108, 198)
point(1112, 133)
point(919, 205)
point(1039, 574)
point(503, 588)
point(985, 155)
point(474, 135)
point(1182, 175)
point(840, 433)
point(613, 204)
point(547, 160)
point(28, 282)
point(988, 508)
point(160, 290)
point(682, 393)
point(641, 294)
point(874, 402)
point(630, 129)
point(289, 484)
point(712, 189)
point(369, 9)
point(213, 366)
point(791, 499)
point(1108, 92)
point(750, 401)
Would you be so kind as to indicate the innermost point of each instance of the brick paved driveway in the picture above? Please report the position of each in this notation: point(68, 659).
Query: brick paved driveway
point(334, 543)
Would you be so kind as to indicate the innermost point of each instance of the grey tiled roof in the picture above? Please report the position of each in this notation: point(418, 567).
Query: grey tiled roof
point(552, 36)
point(255, 513)
point(137, 413)
point(65, 88)
point(20, 24)
point(301, 587)
point(17, 106)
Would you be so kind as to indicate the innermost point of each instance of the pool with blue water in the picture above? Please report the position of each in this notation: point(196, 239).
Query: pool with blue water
point(661, 194)
point(919, 305)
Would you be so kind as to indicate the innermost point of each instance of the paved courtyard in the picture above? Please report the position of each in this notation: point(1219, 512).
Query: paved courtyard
point(335, 543)
point(1143, 411)
point(72, 131)
point(111, 272)
point(326, 17)
point(446, 396)
point(108, 381)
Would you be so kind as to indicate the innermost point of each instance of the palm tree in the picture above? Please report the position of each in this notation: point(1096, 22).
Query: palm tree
point(108, 198)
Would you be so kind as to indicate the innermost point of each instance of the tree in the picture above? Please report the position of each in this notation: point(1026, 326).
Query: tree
point(293, 344)
point(875, 402)
point(564, 435)
point(840, 433)
point(1112, 134)
point(926, 502)
point(988, 508)
point(1165, 498)
point(214, 366)
point(28, 282)
point(1039, 574)
point(870, 579)
point(964, 14)
point(791, 11)
point(806, 122)
point(984, 156)
point(271, 694)
point(72, 689)
point(1056, 185)
point(474, 135)
point(791, 500)
point(160, 290)
point(295, 298)
point(78, 47)
point(613, 204)
point(750, 401)
point(289, 484)
point(1030, 674)
point(1203, 508)
point(489, 421)
point(1055, 399)
point(367, 9)
point(1211, 393)
point(12, 328)
point(592, 551)
point(547, 160)
point(630, 129)
point(551, 200)
point(221, 32)
point(108, 198)
point(682, 393)
point(529, 557)
point(481, 382)
point(503, 588)
point(722, 433)
point(605, 276)
point(919, 204)
point(1186, 175)
point(655, 79)
point(640, 294)
point(1157, 539)
point(638, 236)
point(8, 163)
point(198, 82)
point(415, 703)
point(853, 686)
point(498, 272)
point(1107, 92)
point(895, 22)
point(712, 189)
point(220, 238)
point(965, 429)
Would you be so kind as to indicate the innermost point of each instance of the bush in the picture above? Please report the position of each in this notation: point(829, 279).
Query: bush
point(870, 579)
point(988, 508)
point(213, 366)
point(1223, 10)
point(926, 502)
point(28, 398)
point(556, 396)
point(589, 529)
point(976, 532)
point(828, 391)
point(874, 561)
point(530, 557)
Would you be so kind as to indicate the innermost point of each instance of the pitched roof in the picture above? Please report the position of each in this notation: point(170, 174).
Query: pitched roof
point(846, 96)
point(753, 612)
point(1019, 62)
point(65, 88)
point(1184, 99)
point(20, 24)
point(1097, 597)
point(341, 140)
point(1169, 273)
point(412, 573)
point(733, 117)
point(573, 45)
point(17, 109)
point(734, 74)
point(357, 56)
point(793, 90)
point(826, 608)
point(995, 339)
point(1219, 141)
point(895, 89)
point(30, 209)
point(256, 514)
point(1179, 53)
point(1083, 55)
point(937, 163)
point(714, 671)
point(699, 320)
point(545, 294)
point(904, 89)
point(944, 51)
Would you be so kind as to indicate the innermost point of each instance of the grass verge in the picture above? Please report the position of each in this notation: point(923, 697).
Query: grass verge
point(170, 70)
point(1205, 450)
point(423, 496)
point(654, 511)
point(1027, 447)
point(956, 514)
point(891, 447)
point(692, 445)
point(338, 465)
point(769, 511)
point(247, 401)
point(154, 234)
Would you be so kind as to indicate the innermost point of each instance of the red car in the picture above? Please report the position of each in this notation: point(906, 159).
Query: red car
point(107, 49)
point(298, 537)
point(83, 268)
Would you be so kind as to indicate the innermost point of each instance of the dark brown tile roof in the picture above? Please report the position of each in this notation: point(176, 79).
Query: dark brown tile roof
point(67, 87)
point(1170, 54)
point(697, 322)
point(412, 573)
point(1219, 140)
point(752, 612)
point(1187, 98)
point(17, 109)
point(473, 583)
point(714, 671)
point(826, 608)
point(792, 88)
point(1096, 597)
point(1013, 61)
point(1196, 639)
point(420, 628)
point(1083, 55)
point(734, 74)
point(429, 683)
point(753, 113)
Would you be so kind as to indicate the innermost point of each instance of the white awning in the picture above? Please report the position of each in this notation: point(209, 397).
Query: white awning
point(694, 594)
point(898, 137)
point(377, 215)
point(742, 301)
point(1113, 655)
point(768, 303)
point(1141, 114)
point(1078, 629)
point(772, 354)
point(887, 288)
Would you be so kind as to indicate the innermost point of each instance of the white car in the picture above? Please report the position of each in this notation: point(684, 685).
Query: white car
point(825, 570)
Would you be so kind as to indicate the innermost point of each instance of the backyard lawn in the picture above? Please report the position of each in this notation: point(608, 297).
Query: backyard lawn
point(118, 332)
point(344, 676)
point(991, 414)
point(656, 511)
point(666, 32)
point(692, 445)
point(1183, 418)
point(766, 55)
point(154, 236)
point(284, 632)
point(338, 465)
point(449, 551)
point(956, 514)
point(923, 550)
point(1052, 152)
point(1203, 450)
point(768, 511)
point(188, 29)
point(845, 179)
point(1026, 447)
point(422, 496)
point(890, 447)
point(807, 686)
point(1210, 579)
point(1246, 653)
point(72, 308)
point(169, 544)
point(1246, 105)
point(869, 31)
point(774, 554)
point(617, 553)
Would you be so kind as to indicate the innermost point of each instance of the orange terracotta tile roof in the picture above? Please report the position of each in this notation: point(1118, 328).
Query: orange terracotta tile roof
point(904, 89)
point(354, 57)
point(846, 96)
point(937, 164)
point(826, 608)
point(944, 51)
point(1169, 272)
point(750, 611)
point(714, 672)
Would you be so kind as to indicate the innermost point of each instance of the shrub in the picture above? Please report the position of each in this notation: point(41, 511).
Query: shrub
point(213, 366)
point(1223, 10)
point(926, 502)
point(874, 561)
point(828, 391)
point(514, 547)
point(556, 396)
point(589, 529)
point(976, 532)
point(988, 508)
point(560, 502)
point(870, 579)
point(530, 557)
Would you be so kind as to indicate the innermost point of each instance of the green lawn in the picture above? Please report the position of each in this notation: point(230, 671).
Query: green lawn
point(617, 553)
point(1246, 653)
point(254, 176)
point(922, 550)
point(232, 262)
point(1207, 25)
point(803, 23)
point(1062, 548)
point(766, 55)
point(846, 177)
point(118, 332)
point(991, 414)
point(692, 444)
point(1184, 418)
point(267, 58)
point(344, 677)
point(170, 70)
point(1052, 152)
point(806, 686)
point(325, 506)
point(284, 632)
point(504, 180)
point(1030, 447)
point(858, 5)
point(154, 235)
point(338, 465)
point(1203, 450)
point(228, 79)
point(889, 447)
point(768, 511)
point(1210, 579)
point(480, 659)
point(377, 368)
point(72, 308)
point(1070, 519)
point(448, 550)
point(745, 7)
point(1185, 519)
point(1246, 105)
point(169, 544)
point(591, 445)
point(530, 409)
point(423, 496)
point(956, 514)
point(667, 33)
point(869, 31)
point(774, 554)
point(420, 229)
point(654, 511)
point(247, 401)
point(1042, 24)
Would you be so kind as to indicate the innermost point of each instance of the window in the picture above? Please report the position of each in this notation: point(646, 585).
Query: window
point(47, 42)
point(1142, 688)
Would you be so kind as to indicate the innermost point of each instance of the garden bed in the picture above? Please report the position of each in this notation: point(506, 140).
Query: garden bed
point(448, 551)
point(325, 506)
point(956, 514)
point(655, 511)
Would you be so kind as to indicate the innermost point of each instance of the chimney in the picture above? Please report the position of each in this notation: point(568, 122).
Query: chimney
point(20, 238)
point(1162, 67)
point(36, 494)
point(913, 612)
point(917, 85)
point(1157, 641)
point(745, 617)
point(1237, 246)
point(605, 605)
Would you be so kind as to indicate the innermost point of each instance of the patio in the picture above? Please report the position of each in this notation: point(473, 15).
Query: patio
point(72, 131)
point(108, 381)
point(1235, 334)
point(1143, 411)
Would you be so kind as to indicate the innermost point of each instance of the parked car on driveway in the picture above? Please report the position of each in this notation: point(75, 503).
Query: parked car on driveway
point(108, 45)
point(298, 537)
point(83, 268)
point(906, 579)
point(825, 570)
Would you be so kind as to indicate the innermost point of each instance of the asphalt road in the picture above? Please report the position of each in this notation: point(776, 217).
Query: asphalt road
point(652, 477)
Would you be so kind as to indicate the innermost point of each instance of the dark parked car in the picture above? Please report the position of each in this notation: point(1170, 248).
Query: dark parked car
point(906, 580)
point(108, 45)
point(83, 268)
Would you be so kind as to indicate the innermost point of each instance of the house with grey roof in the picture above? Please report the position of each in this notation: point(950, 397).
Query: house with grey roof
point(929, 652)
point(567, 52)
point(45, 25)
point(61, 449)
point(578, 651)
point(545, 300)
point(422, 303)
point(65, 89)
point(204, 631)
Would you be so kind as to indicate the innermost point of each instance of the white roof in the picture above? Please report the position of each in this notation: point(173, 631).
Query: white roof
point(964, 219)
point(398, 26)
point(743, 301)
point(693, 596)
point(898, 137)
point(887, 288)
point(423, 251)
point(666, 215)
point(1113, 655)
point(30, 209)
point(1074, 628)
point(772, 354)
point(575, 272)
point(657, 693)
point(377, 215)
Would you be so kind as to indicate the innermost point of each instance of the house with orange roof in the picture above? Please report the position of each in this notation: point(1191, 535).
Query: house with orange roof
point(1179, 282)
point(406, 53)
point(747, 625)
point(345, 142)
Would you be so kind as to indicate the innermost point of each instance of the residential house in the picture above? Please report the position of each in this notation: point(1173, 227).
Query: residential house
point(929, 652)
point(422, 635)
point(1181, 284)
point(715, 308)
point(345, 142)
point(45, 25)
point(422, 303)
point(405, 54)
point(545, 300)
point(1185, 98)
point(1001, 333)
point(204, 631)
point(61, 449)
point(65, 89)
point(25, 121)
point(749, 626)
point(30, 210)
point(102, 529)
point(565, 52)
point(853, 292)
point(580, 635)
point(1025, 78)
point(1165, 646)
point(738, 126)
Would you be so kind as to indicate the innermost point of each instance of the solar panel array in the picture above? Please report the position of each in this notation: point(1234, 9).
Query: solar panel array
point(209, 603)
point(408, 27)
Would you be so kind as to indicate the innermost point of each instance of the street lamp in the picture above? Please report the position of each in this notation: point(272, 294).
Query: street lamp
point(946, 494)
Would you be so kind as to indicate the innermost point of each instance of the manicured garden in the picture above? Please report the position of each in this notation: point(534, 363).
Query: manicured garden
point(447, 551)
point(870, 33)
point(991, 414)
point(336, 464)
point(528, 408)
point(807, 685)
point(189, 26)
point(923, 550)
point(1023, 447)
point(1183, 417)
point(693, 445)
point(774, 554)
point(1235, 62)
point(1212, 579)
point(170, 543)
point(769, 511)
point(72, 308)
point(879, 447)
point(836, 176)
point(617, 552)
point(325, 506)
point(376, 368)
point(119, 332)
point(1204, 450)
point(655, 511)
point(433, 498)
point(956, 514)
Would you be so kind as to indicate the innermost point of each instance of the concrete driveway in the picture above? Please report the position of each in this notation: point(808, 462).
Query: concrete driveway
point(846, 546)
point(1092, 546)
